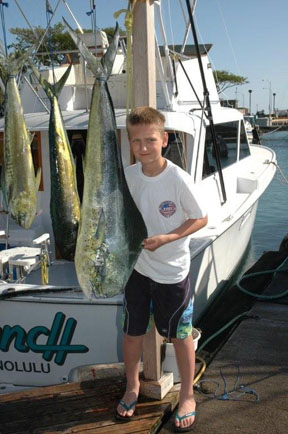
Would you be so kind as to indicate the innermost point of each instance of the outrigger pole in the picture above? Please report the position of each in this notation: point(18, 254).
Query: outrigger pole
point(208, 105)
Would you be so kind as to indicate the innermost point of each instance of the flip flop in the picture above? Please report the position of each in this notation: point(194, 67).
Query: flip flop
point(180, 418)
point(127, 408)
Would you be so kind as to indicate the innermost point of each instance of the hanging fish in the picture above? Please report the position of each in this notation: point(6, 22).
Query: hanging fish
point(111, 228)
point(19, 185)
point(64, 199)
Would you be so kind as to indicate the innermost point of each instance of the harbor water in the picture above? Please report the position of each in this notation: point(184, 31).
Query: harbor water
point(271, 223)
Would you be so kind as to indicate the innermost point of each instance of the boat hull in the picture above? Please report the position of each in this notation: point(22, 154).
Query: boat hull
point(45, 337)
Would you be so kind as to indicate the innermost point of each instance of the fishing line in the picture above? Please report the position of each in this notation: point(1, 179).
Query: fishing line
point(228, 37)
point(170, 23)
point(92, 14)
point(49, 12)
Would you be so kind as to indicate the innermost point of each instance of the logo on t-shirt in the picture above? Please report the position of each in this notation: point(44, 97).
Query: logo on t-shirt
point(167, 208)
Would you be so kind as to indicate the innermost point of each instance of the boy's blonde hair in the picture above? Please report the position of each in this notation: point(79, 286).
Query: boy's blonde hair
point(146, 115)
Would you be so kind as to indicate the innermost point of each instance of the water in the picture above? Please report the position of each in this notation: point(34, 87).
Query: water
point(271, 223)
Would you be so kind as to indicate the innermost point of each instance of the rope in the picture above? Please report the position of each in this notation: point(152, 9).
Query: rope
point(129, 59)
point(236, 392)
point(281, 172)
point(2, 4)
point(44, 268)
point(273, 131)
point(201, 370)
point(260, 296)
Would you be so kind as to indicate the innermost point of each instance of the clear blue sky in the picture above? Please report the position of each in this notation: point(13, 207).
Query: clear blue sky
point(249, 37)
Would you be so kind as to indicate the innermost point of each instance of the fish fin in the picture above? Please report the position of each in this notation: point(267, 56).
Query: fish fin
point(93, 62)
point(48, 88)
point(107, 60)
point(101, 226)
point(38, 179)
point(4, 192)
point(83, 163)
point(60, 83)
point(31, 136)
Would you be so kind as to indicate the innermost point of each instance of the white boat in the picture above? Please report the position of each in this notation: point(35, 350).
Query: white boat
point(48, 331)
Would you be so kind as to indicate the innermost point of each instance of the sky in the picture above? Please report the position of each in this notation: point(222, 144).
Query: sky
point(249, 37)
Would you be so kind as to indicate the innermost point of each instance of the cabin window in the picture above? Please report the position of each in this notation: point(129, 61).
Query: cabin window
point(36, 154)
point(244, 147)
point(227, 137)
point(176, 149)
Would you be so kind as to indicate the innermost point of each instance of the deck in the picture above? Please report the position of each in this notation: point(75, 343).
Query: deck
point(87, 407)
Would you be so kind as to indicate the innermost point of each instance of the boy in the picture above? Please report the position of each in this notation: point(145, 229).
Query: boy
point(168, 202)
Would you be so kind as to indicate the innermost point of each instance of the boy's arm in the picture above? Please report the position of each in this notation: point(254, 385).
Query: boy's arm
point(187, 228)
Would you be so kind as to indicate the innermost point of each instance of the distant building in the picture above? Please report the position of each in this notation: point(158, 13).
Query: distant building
point(232, 103)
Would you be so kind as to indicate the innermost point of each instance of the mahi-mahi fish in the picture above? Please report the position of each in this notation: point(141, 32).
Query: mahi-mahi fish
point(19, 184)
point(64, 199)
point(111, 228)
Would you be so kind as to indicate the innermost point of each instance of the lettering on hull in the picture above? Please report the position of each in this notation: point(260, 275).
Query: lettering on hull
point(58, 342)
point(8, 365)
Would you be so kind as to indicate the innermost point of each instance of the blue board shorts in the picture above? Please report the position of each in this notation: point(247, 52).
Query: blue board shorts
point(169, 305)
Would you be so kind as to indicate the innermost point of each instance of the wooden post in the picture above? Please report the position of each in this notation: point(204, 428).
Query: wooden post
point(144, 72)
point(144, 88)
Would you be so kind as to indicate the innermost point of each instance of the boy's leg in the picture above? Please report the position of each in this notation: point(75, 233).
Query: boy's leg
point(185, 356)
point(132, 351)
point(136, 306)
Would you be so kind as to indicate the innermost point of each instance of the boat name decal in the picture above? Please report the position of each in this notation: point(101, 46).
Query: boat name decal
point(8, 365)
point(58, 342)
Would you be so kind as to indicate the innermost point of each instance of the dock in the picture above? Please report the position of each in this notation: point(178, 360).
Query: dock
point(86, 407)
point(243, 390)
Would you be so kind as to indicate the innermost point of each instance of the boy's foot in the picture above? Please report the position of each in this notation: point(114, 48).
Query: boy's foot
point(127, 405)
point(185, 416)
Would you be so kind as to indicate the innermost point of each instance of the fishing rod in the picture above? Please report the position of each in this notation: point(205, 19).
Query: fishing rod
point(208, 105)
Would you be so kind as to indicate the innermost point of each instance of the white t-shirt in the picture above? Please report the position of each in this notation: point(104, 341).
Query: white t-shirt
point(165, 201)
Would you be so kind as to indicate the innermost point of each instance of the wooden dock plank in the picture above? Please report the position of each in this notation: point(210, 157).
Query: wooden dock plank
point(87, 407)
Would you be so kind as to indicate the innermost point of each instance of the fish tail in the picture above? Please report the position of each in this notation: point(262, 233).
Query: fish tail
point(13, 65)
point(49, 89)
point(107, 60)
point(38, 179)
point(104, 67)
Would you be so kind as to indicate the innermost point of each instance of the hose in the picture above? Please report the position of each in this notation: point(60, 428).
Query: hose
point(201, 370)
point(260, 296)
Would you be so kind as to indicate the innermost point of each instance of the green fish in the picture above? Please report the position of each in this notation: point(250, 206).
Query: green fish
point(111, 227)
point(19, 184)
point(64, 201)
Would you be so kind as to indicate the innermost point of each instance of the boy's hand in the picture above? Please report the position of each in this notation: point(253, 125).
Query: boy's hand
point(153, 243)
point(187, 228)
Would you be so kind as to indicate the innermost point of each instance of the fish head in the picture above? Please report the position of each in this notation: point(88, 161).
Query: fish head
point(101, 274)
point(23, 209)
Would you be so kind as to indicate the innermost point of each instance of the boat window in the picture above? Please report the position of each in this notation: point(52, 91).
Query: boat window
point(244, 147)
point(226, 135)
point(176, 149)
point(36, 154)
